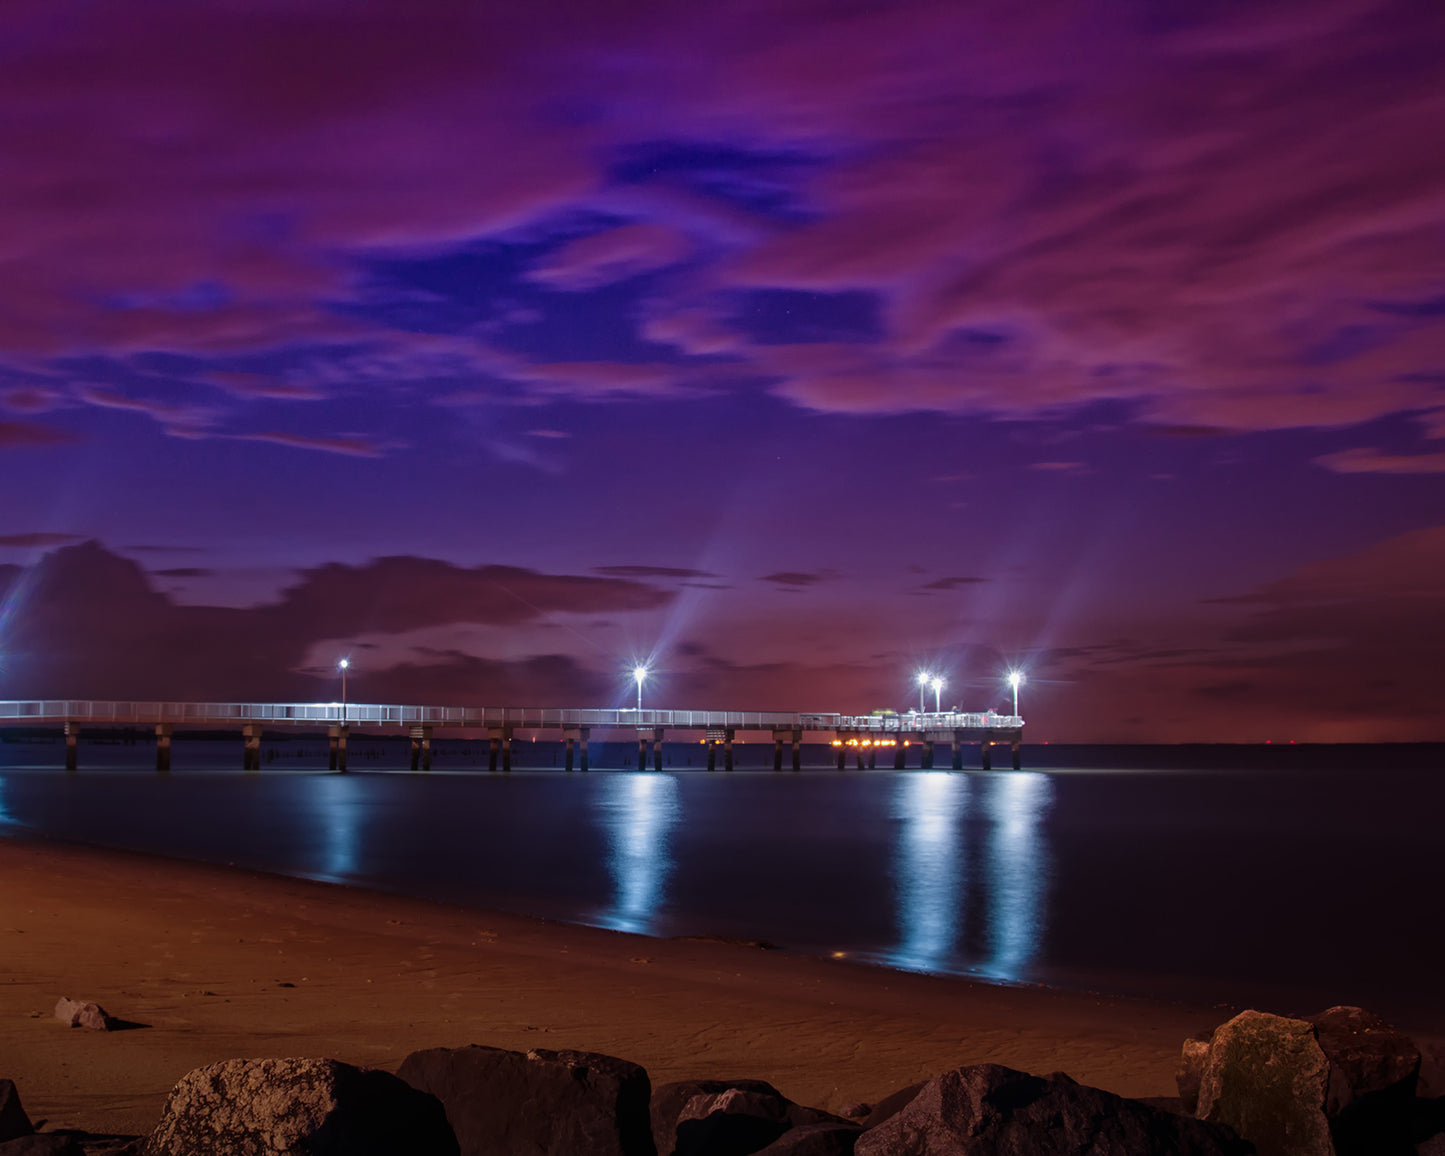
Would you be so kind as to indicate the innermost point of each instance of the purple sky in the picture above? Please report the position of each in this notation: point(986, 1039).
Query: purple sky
point(789, 345)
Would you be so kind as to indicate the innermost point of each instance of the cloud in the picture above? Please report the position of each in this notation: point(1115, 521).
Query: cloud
point(260, 385)
point(951, 583)
point(1373, 461)
point(88, 623)
point(614, 255)
point(31, 399)
point(17, 434)
point(793, 579)
point(352, 446)
point(652, 572)
point(29, 541)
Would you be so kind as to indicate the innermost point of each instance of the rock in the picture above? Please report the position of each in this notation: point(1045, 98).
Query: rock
point(815, 1140)
point(1190, 1072)
point(1374, 1071)
point(1367, 1055)
point(990, 1110)
point(501, 1102)
point(857, 1111)
point(1432, 1069)
point(1268, 1078)
point(13, 1120)
point(43, 1144)
point(316, 1107)
point(668, 1101)
point(79, 1014)
point(739, 1121)
point(892, 1104)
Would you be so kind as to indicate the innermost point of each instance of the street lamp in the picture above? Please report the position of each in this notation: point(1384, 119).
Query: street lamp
point(639, 673)
point(342, 666)
point(1014, 678)
point(937, 692)
point(923, 680)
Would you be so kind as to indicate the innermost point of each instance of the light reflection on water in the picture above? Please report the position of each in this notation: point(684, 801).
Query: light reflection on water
point(337, 814)
point(1016, 870)
point(931, 868)
point(936, 854)
point(638, 811)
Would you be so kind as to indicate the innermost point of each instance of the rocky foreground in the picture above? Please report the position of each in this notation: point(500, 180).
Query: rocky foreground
point(1341, 1083)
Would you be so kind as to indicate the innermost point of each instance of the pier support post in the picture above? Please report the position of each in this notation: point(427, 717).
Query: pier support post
point(657, 749)
point(1017, 746)
point(797, 750)
point(777, 751)
point(985, 754)
point(582, 737)
point(873, 757)
point(163, 746)
point(494, 743)
point(927, 754)
point(642, 750)
point(251, 747)
point(958, 750)
point(420, 748)
point(507, 752)
point(842, 752)
point(859, 758)
point(337, 742)
point(569, 748)
point(712, 754)
point(900, 755)
point(728, 749)
point(72, 737)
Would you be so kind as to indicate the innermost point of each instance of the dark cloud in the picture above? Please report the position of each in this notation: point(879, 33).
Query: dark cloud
point(38, 539)
point(88, 623)
point(792, 578)
point(184, 572)
point(651, 572)
point(952, 583)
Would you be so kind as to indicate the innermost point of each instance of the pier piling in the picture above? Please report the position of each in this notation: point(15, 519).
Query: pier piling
point(163, 746)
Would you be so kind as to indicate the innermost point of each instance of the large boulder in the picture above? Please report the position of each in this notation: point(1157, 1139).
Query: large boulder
point(739, 1122)
point(315, 1107)
point(1268, 1078)
point(727, 1116)
point(13, 1120)
point(892, 1104)
point(990, 1110)
point(501, 1103)
point(1367, 1057)
point(1190, 1073)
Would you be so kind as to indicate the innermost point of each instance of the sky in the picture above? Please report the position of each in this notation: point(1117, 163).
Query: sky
point(789, 347)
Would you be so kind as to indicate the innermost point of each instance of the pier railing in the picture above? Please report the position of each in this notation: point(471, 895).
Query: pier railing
point(43, 711)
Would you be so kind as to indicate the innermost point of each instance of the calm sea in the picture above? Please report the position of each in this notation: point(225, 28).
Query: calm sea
point(1284, 877)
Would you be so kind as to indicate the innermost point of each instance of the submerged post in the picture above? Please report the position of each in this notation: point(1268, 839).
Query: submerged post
point(728, 749)
point(1017, 746)
point(163, 746)
point(927, 754)
point(958, 750)
point(642, 750)
point(900, 754)
point(657, 749)
point(341, 733)
point(985, 753)
point(494, 743)
point(569, 748)
point(72, 737)
point(582, 736)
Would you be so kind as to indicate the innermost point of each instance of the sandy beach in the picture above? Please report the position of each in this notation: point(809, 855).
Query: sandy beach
point(220, 963)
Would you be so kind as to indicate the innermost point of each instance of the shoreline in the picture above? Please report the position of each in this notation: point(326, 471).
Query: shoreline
point(222, 962)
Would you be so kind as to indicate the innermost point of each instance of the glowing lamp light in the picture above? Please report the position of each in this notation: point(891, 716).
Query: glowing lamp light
point(640, 674)
point(937, 684)
point(1014, 678)
point(924, 678)
point(343, 666)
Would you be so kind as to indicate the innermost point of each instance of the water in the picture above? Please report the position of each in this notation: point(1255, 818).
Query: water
point(1289, 878)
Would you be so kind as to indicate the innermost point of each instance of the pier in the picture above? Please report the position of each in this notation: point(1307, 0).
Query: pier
point(862, 737)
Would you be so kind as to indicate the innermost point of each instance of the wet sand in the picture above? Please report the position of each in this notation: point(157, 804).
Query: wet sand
point(221, 963)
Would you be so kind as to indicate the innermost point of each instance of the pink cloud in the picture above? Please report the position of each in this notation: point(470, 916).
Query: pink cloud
point(1226, 220)
point(15, 434)
point(356, 447)
point(1373, 461)
point(602, 258)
